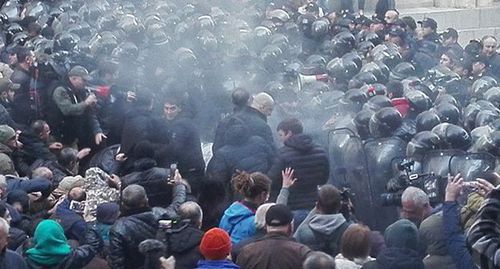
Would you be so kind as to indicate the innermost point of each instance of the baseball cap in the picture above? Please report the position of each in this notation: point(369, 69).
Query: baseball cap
point(79, 71)
point(450, 32)
point(428, 22)
point(6, 84)
point(481, 58)
point(278, 215)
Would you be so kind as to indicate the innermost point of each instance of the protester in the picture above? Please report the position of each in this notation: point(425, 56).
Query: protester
point(215, 246)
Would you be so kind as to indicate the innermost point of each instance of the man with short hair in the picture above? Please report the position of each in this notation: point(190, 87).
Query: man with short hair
point(276, 249)
point(72, 112)
point(8, 258)
point(309, 162)
point(490, 46)
point(254, 117)
point(319, 260)
point(136, 224)
point(23, 107)
point(450, 41)
point(429, 27)
point(8, 144)
point(324, 225)
point(184, 237)
point(391, 16)
point(415, 205)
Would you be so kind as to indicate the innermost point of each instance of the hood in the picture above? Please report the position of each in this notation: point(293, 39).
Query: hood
point(5, 149)
point(217, 264)
point(398, 258)
point(237, 212)
point(300, 142)
point(326, 224)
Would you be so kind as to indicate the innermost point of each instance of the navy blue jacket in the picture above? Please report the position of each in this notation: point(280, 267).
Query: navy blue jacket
point(455, 238)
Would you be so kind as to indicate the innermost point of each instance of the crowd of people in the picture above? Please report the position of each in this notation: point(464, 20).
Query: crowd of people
point(245, 134)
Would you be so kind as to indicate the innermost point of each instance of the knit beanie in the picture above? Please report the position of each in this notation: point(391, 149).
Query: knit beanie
point(215, 244)
point(70, 182)
point(6, 133)
point(402, 234)
point(107, 213)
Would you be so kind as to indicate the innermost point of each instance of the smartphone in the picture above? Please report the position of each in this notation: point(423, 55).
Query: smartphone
point(76, 206)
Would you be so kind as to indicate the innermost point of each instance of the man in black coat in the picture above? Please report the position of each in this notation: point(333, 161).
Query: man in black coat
point(242, 152)
point(22, 106)
point(254, 117)
point(309, 162)
point(137, 223)
point(183, 140)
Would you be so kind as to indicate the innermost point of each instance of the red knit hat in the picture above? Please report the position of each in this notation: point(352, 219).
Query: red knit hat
point(215, 244)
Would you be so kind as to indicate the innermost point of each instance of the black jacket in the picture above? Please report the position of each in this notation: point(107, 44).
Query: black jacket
point(251, 155)
point(33, 149)
point(10, 259)
point(256, 124)
point(139, 125)
point(155, 182)
point(311, 166)
point(136, 226)
point(21, 106)
point(182, 241)
point(184, 148)
point(125, 236)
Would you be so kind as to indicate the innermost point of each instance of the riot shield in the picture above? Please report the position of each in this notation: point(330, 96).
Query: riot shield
point(437, 162)
point(381, 155)
point(471, 165)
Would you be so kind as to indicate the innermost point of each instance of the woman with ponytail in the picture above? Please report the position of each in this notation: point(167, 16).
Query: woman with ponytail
point(238, 219)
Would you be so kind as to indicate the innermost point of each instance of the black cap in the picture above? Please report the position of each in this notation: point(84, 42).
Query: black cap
point(279, 215)
point(428, 22)
point(450, 32)
point(376, 19)
point(396, 31)
point(481, 58)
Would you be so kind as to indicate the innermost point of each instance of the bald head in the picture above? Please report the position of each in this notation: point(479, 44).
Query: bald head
point(77, 194)
point(391, 16)
point(264, 103)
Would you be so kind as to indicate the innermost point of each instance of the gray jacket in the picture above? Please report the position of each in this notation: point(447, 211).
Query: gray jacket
point(317, 229)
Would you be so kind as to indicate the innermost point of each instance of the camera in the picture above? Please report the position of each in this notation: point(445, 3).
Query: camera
point(433, 185)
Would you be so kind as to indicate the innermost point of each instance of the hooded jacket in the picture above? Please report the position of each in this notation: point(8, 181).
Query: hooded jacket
point(431, 233)
point(317, 230)
point(238, 222)
point(182, 241)
point(311, 166)
point(401, 239)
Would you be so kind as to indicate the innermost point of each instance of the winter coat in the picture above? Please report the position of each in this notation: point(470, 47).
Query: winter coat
point(483, 237)
point(154, 181)
point(69, 116)
point(33, 149)
point(238, 222)
point(182, 242)
point(275, 250)
point(139, 126)
point(396, 258)
point(136, 226)
point(250, 155)
point(256, 124)
point(21, 106)
point(311, 166)
point(184, 148)
point(10, 259)
point(318, 230)
point(125, 236)
point(454, 236)
point(432, 237)
point(205, 264)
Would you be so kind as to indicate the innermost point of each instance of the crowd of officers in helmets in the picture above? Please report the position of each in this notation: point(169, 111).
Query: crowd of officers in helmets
point(99, 96)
